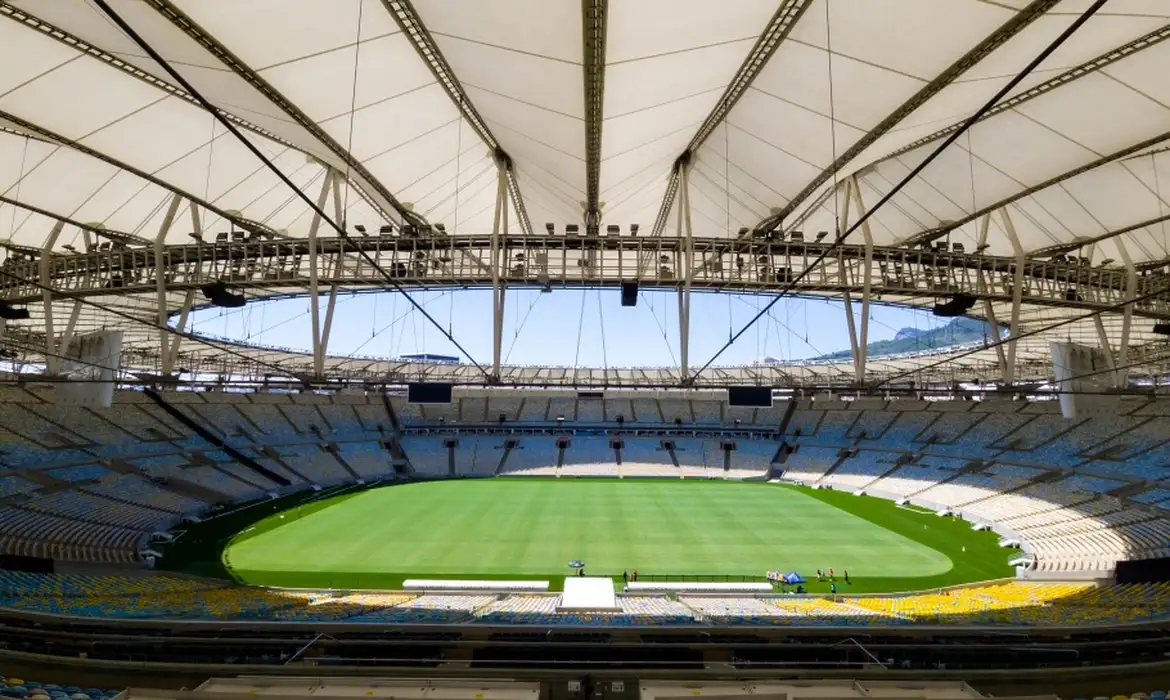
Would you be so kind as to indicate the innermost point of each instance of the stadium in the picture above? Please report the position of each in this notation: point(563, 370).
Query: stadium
point(634, 350)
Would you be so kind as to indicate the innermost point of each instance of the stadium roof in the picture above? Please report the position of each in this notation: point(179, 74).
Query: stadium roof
point(790, 115)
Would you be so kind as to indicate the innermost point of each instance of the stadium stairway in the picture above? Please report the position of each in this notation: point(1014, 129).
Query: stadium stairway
point(509, 445)
point(334, 450)
point(1128, 490)
point(273, 454)
point(900, 462)
point(842, 456)
point(970, 468)
point(177, 486)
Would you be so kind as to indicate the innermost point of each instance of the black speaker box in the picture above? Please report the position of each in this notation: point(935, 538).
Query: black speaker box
point(629, 293)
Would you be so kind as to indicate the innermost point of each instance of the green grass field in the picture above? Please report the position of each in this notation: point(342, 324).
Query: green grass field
point(516, 528)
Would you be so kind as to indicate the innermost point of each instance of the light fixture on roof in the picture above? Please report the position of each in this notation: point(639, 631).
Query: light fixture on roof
point(196, 236)
point(821, 235)
point(548, 226)
point(633, 229)
point(360, 229)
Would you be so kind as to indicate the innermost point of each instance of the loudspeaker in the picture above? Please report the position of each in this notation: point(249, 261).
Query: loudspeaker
point(956, 306)
point(8, 312)
point(217, 293)
point(629, 293)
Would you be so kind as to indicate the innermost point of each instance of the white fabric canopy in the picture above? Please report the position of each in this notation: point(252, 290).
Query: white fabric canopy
point(95, 133)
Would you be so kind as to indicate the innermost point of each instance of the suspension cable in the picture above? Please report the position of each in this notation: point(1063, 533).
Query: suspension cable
point(914, 172)
point(227, 124)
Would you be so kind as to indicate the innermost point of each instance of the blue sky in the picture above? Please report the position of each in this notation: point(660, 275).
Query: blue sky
point(565, 327)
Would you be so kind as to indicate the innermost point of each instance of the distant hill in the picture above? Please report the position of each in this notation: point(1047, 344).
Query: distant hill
point(960, 330)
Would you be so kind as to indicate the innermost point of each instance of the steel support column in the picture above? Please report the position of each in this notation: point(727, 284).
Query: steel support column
point(52, 362)
point(196, 225)
point(1107, 350)
point(867, 285)
point(67, 339)
point(172, 352)
point(1131, 282)
point(989, 312)
point(338, 268)
point(842, 271)
point(314, 275)
point(499, 228)
point(160, 271)
point(1009, 371)
point(686, 232)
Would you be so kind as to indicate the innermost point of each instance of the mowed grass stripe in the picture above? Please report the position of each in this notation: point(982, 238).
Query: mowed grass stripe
point(501, 528)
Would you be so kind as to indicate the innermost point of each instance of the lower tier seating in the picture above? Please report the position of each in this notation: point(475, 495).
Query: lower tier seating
point(173, 598)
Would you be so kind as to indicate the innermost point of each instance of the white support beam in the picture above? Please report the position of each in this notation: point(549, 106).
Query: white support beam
point(851, 326)
point(196, 225)
point(996, 335)
point(686, 232)
point(842, 272)
point(172, 354)
point(314, 276)
point(1009, 371)
point(984, 225)
point(866, 289)
point(1131, 282)
point(499, 228)
point(1107, 350)
point(52, 362)
point(67, 339)
point(160, 277)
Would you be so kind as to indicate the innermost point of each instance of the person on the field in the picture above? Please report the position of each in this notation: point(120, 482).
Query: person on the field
point(833, 588)
point(820, 576)
point(634, 578)
point(846, 576)
point(831, 576)
point(625, 577)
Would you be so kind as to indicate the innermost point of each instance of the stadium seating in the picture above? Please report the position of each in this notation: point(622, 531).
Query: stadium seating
point(1080, 494)
point(17, 687)
point(169, 597)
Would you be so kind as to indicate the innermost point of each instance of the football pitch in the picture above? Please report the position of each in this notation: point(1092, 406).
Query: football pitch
point(531, 528)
